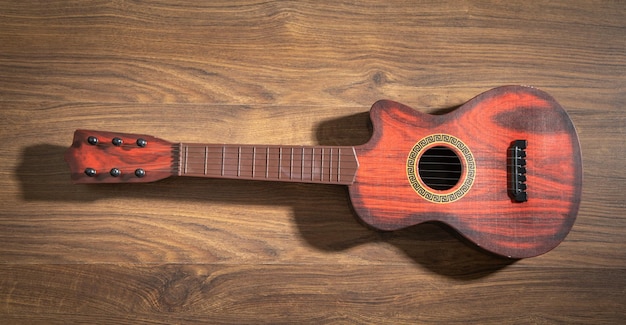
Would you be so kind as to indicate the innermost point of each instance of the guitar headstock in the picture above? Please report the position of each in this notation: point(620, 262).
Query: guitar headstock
point(110, 157)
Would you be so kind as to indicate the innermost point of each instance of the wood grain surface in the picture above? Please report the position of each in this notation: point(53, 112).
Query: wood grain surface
point(193, 250)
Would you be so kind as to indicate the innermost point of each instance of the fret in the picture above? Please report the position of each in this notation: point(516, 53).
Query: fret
point(302, 165)
point(291, 165)
point(186, 158)
point(280, 161)
point(338, 164)
point(330, 165)
point(267, 162)
point(322, 166)
point(253, 160)
point(238, 161)
point(206, 158)
point(312, 162)
point(223, 158)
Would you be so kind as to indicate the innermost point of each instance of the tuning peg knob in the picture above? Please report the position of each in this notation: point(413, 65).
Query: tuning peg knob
point(90, 172)
point(92, 140)
point(142, 142)
point(117, 141)
point(140, 172)
point(115, 172)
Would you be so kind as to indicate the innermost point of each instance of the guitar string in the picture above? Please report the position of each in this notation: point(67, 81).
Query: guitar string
point(306, 179)
point(308, 158)
point(175, 148)
point(305, 154)
point(307, 170)
point(317, 177)
point(219, 147)
point(260, 162)
point(273, 174)
point(216, 164)
point(216, 172)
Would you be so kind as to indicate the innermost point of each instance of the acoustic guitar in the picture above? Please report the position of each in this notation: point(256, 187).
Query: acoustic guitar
point(504, 169)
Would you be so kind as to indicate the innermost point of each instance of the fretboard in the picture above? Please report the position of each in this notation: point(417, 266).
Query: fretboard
point(308, 164)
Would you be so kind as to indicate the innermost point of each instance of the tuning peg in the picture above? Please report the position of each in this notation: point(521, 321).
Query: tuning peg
point(115, 172)
point(92, 140)
point(140, 172)
point(90, 172)
point(142, 142)
point(117, 141)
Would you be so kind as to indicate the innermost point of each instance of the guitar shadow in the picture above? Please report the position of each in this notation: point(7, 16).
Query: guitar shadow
point(43, 176)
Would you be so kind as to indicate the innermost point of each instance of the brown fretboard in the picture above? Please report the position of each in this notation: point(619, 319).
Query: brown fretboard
point(308, 164)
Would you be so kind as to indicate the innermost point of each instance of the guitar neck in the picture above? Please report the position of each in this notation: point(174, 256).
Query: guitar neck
point(112, 157)
point(304, 164)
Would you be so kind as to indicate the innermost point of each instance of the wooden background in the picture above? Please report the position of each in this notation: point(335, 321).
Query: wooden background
point(274, 72)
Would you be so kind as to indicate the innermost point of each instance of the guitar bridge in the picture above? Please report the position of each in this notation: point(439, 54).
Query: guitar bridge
point(517, 170)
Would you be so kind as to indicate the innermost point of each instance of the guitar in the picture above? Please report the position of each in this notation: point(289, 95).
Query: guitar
point(504, 169)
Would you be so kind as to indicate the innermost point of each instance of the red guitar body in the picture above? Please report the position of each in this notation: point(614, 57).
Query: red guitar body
point(504, 169)
point(485, 213)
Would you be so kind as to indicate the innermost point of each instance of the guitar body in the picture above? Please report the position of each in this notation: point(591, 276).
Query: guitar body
point(391, 190)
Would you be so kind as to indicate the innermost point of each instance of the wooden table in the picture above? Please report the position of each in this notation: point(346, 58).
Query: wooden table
point(221, 251)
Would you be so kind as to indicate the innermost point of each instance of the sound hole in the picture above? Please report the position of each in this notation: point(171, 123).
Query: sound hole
point(440, 168)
